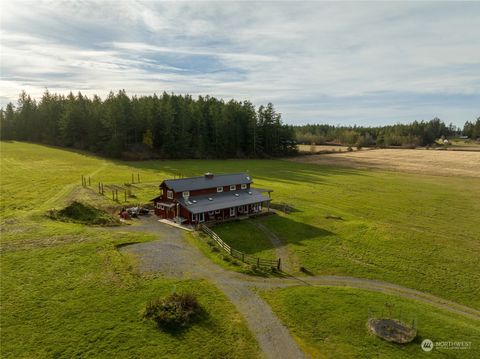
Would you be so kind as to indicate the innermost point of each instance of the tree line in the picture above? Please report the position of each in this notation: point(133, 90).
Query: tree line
point(422, 133)
point(157, 126)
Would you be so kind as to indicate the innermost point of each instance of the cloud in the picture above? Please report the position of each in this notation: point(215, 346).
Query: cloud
point(317, 62)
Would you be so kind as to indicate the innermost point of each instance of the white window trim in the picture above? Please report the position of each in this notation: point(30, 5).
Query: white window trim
point(217, 211)
point(170, 194)
point(186, 194)
point(210, 213)
point(201, 217)
point(244, 186)
point(219, 189)
point(232, 211)
point(233, 187)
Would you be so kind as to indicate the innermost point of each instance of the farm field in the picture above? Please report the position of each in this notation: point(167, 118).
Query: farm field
point(421, 161)
point(331, 322)
point(415, 230)
point(65, 289)
point(319, 148)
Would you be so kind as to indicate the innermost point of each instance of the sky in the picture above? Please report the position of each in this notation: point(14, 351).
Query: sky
point(364, 63)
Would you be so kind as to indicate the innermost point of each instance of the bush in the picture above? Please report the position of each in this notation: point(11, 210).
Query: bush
point(349, 149)
point(174, 311)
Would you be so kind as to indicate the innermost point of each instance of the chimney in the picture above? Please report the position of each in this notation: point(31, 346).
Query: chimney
point(209, 175)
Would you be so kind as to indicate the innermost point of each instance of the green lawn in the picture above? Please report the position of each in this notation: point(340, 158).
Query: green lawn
point(244, 236)
point(331, 322)
point(65, 290)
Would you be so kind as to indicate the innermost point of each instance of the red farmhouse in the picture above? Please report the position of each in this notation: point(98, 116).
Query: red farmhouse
point(209, 198)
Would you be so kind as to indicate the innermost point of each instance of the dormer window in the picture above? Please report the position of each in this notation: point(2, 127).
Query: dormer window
point(219, 189)
point(170, 194)
point(233, 188)
point(186, 194)
point(244, 186)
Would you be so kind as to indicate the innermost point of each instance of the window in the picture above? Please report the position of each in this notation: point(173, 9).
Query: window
point(210, 213)
point(186, 194)
point(170, 194)
point(201, 217)
point(233, 188)
point(219, 189)
point(244, 186)
point(217, 211)
point(232, 211)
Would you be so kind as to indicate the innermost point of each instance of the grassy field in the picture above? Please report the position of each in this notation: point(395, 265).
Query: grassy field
point(331, 323)
point(65, 289)
point(415, 230)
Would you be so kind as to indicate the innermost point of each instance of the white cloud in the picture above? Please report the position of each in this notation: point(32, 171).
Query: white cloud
point(314, 61)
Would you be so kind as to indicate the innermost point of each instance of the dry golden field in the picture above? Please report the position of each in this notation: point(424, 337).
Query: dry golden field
point(319, 148)
point(436, 162)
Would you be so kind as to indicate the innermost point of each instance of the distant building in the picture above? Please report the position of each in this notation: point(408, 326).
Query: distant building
point(209, 198)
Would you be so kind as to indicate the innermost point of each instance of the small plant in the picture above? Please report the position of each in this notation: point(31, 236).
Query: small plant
point(211, 243)
point(174, 311)
point(349, 149)
point(227, 259)
point(215, 249)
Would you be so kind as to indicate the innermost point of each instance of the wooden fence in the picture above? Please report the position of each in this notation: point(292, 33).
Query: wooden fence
point(246, 258)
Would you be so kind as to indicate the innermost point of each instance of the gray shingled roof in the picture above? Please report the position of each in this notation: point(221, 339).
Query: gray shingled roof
point(223, 200)
point(201, 182)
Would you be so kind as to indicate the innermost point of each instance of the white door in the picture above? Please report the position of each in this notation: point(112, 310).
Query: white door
point(201, 217)
point(232, 211)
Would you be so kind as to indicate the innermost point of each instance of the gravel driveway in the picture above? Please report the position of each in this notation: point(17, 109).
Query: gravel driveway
point(173, 256)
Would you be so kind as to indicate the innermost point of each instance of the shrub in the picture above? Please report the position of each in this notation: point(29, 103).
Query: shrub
point(174, 311)
point(227, 258)
point(349, 149)
point(215, 249)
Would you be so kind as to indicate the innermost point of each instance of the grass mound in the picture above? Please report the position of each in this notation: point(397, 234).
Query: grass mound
point(83, 213)
point(173, 312)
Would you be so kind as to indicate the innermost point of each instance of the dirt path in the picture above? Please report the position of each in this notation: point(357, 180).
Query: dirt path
point(289, 262)
point(173, 256)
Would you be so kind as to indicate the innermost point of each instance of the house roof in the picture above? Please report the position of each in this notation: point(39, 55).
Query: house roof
point(223, 200)
point(202, 182)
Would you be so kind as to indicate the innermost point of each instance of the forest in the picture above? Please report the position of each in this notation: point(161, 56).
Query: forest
point(424, 133)
point(157, 126)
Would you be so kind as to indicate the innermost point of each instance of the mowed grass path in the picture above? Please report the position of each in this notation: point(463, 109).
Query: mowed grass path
point(66, 291)
point(331, 322)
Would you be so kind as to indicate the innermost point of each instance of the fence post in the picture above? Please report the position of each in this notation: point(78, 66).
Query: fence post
point(102, 189)
point(278, 264)
point(89, 183)
point(243, 257)
point(116, 194)
point(125, 195)
point(113, 195)
point(133, 179)
point(258, 262)
point(138, 177)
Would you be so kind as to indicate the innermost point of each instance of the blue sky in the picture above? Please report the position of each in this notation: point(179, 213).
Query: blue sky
point(360, 63)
